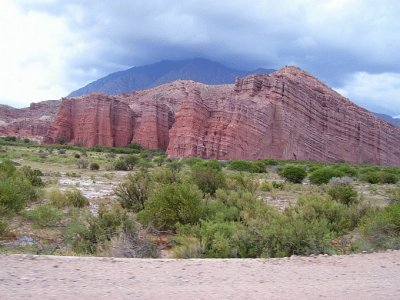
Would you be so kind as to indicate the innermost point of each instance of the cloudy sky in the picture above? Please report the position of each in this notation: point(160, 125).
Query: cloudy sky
point(49, 48)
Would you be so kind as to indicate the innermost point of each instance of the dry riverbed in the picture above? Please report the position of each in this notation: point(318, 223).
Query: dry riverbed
point(359, 276)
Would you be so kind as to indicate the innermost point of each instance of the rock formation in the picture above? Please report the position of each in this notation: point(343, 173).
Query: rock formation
point(284, 115)
point(33, 121)
point(94, 120)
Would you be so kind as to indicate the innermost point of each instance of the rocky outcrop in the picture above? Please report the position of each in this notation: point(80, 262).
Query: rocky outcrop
point(33, 121)
point(94, 120)
point(285, 115)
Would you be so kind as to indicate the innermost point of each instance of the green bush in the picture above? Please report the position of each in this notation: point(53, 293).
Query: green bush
point(242, 182)
point(174, 203)
point(347, 170)
point(94, 166)
point(210, 163)
point(382, 229)
point(75, 198)
point(343, 193)
point(323, 175)
point(165, 176)
point(293, 173)
point(33, 175)
point(394, 195)
point(207, 178)
point(15, 192)
point(90, 234)
point(44, 215)
point(57, 198)
point(379, 177)
point(244, 165)
point(133, 193)
point(126, 163)
point(310, 208)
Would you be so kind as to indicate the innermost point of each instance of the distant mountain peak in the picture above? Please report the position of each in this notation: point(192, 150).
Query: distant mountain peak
point(148, 76)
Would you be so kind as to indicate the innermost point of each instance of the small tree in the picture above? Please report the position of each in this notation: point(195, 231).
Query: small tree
point(133, 192)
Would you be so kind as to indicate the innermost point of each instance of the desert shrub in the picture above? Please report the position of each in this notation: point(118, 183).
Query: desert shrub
point(61, 151)
point(208, 178)
point(293, 173)
point(159, 160)
point(133, 193)
point(242, 182)
point(75, 198)
point(26, 140)
point(210, 163)
point(296, 236)
point(15, 190)
point(130, 242)
point(126, 163)
point(191, 161)
point(394, 195)
point(265, 186)
point(110, 155)
point(173, 203)
point(135, 146)
point(270, 162)
point(376, 177)
point(219, 240)
point(4, 219)
point(89, 234)
point(120, 165)
point(165, 176)
point(382, 229)
point(310, 208)
point(57, 198)
point(323, 175)
point(77, 155)
point(44, 215)
point(7, 168)
point(244, 165)
point(10, 138)
point(278, 185)
point(94, 166)
point(174, 165)
point(82, 164)
point(33, 175)
point(187, 247)
point(347, 170)
point(343, 193)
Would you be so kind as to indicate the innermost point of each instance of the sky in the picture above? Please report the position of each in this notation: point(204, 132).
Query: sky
point(49, 48)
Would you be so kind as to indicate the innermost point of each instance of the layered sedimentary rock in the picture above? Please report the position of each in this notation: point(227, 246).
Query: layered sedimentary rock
point(33, 121)
point(94, 120)
point(285, 115)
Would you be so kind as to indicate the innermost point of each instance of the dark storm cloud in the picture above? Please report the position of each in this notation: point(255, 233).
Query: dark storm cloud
point(331, 39)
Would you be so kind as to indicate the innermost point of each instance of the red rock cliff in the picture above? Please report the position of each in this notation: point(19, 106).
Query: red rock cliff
point(94, 120)
point(285, 115)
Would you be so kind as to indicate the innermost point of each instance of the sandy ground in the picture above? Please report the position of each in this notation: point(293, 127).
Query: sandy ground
point(362, 276)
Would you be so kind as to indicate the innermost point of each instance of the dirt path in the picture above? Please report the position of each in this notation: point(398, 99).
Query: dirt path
point(363, 276)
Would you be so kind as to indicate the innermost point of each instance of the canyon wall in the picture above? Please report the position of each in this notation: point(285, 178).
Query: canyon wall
point(288, 114)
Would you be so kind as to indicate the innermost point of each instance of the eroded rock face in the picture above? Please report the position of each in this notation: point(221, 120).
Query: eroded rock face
point(94, 120)
point(33, 121)
point(285, 115)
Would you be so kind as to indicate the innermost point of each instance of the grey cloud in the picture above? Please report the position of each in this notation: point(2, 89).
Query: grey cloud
point(329, 41)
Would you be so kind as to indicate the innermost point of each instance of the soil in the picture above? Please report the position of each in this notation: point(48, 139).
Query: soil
point(359, 276)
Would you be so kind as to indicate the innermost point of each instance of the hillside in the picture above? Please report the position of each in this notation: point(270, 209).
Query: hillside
point(148, 76)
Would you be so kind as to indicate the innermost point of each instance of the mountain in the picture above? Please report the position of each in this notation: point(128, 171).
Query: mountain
point(288, 114)
point(144, 77)
point(390, 119)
